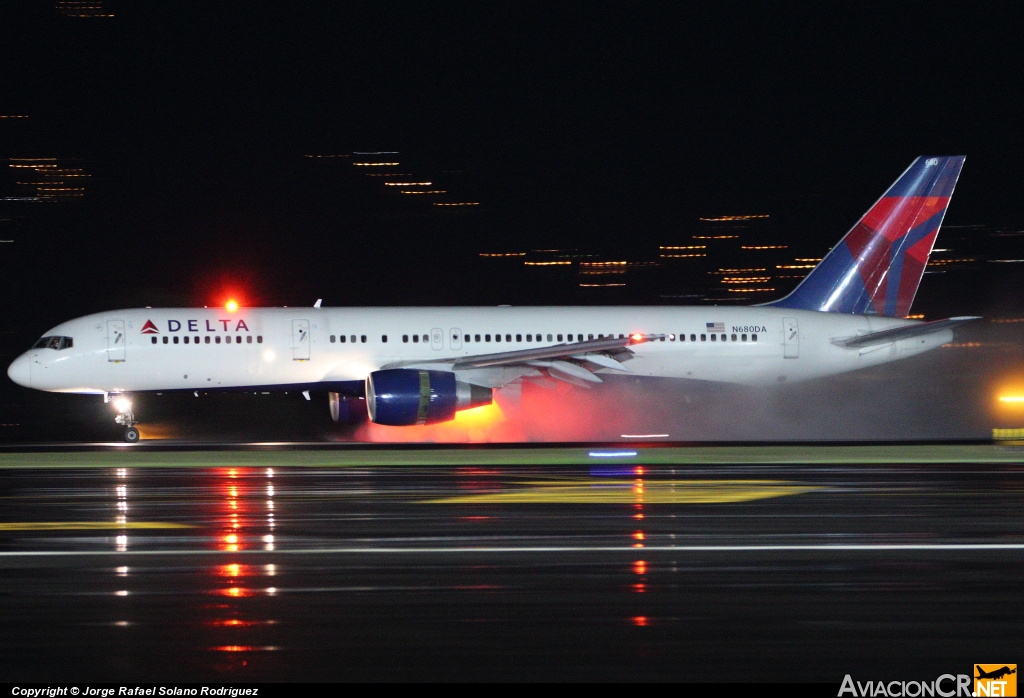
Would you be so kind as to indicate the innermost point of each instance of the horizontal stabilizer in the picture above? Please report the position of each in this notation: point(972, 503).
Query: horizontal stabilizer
point(898, 333)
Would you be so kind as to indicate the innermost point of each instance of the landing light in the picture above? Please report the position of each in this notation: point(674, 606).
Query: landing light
point(122, 405)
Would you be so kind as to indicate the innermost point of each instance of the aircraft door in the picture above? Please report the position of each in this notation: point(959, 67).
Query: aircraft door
point(437, 339)
point(455, 338)
point(300, 340)
point(115, 340)
point(790, 338)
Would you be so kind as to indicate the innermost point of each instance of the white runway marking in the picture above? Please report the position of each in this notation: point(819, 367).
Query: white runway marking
point(877, 547)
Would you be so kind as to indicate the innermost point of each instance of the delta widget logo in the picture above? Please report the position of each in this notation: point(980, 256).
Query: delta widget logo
point(149, 328)
point(995, 680)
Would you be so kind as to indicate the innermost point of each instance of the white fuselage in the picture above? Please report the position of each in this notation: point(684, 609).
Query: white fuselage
point(145, 349)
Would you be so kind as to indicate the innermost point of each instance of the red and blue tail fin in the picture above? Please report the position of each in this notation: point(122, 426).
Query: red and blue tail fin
point(876, 268)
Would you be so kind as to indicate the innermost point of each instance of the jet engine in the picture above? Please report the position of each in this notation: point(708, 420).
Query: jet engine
point(404, 396)
point(346, 409)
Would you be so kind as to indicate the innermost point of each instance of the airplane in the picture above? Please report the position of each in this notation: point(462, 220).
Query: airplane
point(421, 365)
point(994, 674)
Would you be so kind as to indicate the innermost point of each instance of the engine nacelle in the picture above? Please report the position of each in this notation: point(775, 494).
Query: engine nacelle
point(346, 409)
point(405, 396)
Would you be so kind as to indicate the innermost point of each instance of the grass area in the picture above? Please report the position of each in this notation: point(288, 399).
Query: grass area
point(129, 457)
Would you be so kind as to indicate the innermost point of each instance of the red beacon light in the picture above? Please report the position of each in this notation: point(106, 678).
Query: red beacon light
point(231, 305)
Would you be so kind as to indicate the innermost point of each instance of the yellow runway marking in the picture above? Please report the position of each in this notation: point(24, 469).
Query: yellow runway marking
point(84, 525)
point(637, 492)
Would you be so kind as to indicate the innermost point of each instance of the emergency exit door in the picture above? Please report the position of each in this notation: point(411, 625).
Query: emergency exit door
point(115, 340)
point(300, 340)
point(790, 338)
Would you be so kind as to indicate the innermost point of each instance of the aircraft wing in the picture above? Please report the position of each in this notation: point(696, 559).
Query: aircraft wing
point(898, 333)
point(573, 362)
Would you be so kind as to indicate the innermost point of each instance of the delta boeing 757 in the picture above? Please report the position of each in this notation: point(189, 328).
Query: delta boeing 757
point(421, 365)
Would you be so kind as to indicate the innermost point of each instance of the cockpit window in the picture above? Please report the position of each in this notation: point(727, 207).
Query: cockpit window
point(57, 343)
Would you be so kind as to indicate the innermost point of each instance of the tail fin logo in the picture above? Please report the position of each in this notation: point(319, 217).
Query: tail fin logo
point(877, 267)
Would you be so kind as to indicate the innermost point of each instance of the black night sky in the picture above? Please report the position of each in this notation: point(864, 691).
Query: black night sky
point(605, 126)
point(599, 125)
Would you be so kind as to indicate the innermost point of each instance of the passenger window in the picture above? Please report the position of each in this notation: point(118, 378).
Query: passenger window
point(207, 339)
point(166, 341)
point(723, 337)
point(529, 338)
point(154, 339)
point(714, 338)
point(519, 337)
point(362, 338)
point(743, 337)
point(416, 338)
point(476, 338)
point(753, 338)
point(682, 337)
point(384, 339)
point(332, 339)
point(352, 339)
point(248, 339)
point(559, 338)
point(342, 338)
point(217, 339)
point(405, 339)
point(259, 339)
point(185, 339)
point(579, 338)
point(487, 337)
point(703, 338)
point(590, 336)
point(195, 340)
point(693, 338)
point(497, 338)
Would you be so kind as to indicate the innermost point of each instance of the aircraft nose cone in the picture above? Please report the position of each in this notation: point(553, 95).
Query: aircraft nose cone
point(21, 371)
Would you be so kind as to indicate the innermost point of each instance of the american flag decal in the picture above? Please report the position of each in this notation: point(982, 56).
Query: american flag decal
point(716, 326)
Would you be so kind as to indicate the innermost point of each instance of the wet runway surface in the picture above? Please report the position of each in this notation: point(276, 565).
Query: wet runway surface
point(602, 571)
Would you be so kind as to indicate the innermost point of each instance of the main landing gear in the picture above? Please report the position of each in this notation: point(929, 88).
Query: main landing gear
point(125, 416)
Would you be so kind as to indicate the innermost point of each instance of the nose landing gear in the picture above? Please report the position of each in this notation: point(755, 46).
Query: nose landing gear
point(125, 416)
